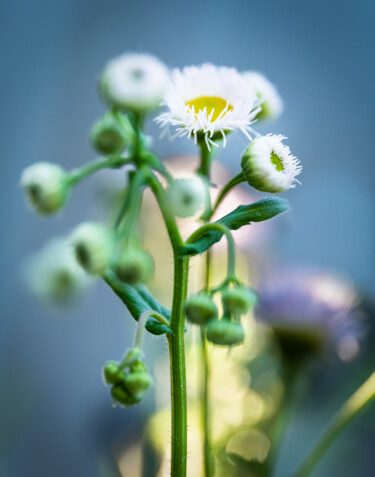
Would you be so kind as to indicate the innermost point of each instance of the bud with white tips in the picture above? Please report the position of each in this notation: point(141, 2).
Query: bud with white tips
point(187, 196)
point(92, 245)
point(270, 100)
point(134, 265)
point(108, 135)
point(269, 166)
point(46, 186)
point(134, 82)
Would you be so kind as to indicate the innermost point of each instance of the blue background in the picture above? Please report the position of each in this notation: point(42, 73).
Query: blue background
point(320, 55)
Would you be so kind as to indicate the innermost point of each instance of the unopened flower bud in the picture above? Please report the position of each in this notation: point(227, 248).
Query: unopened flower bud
point(238, 300)
point(200, 309)
point(270, 101)
point(122, 396)
point(112, 374)
point(134, 266)
point(108, 135)
point(186, 196)
point(225, 332)
point(92, 245)
point(46, 187)
point(137, 383)
point(269, 166)
point(134, 82)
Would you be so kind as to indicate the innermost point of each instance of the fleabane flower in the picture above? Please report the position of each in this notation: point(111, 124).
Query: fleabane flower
point(270, 101)
point(269, 166)
point(134, 82)
point(207, 102)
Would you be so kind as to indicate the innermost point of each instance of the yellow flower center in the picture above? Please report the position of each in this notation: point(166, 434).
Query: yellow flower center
point(210, 103)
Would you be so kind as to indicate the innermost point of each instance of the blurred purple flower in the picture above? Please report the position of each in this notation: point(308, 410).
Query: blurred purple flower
point(306, 299)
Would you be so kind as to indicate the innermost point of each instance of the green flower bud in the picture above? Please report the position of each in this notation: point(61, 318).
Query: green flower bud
point(137, 383)
point(46, 187)
point(238, 300)
point(112, 374)
point(186, 196)
point(92, 245)
point(122, 396)
point(200, 309)
point(269, 166)
point(270, 101)
point(134, 266)
point(225, 332)
point(107, 135)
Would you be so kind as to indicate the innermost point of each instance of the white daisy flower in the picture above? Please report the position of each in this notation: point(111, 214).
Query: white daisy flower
point(207, 102)
point(270, 100)
point(134, 82)
point(269, 166)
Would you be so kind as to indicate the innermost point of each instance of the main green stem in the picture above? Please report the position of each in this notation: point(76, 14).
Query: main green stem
point(177, 363)
point(176, 339)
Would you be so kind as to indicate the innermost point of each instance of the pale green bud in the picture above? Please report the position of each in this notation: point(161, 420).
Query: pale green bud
point(108, 135)
point(200, 309)
point(134, 266)
point(270, 101)
point(92, 245)
point(225, 332)
point(186, 196)
point(46, 187)
point(238, 300)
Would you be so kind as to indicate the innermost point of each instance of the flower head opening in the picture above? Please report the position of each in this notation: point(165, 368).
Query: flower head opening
point(269, 166)
point(207, 102)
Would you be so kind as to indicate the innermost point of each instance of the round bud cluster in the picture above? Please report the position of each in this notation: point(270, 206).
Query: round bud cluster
point(128, 386)
point(200, 309)
point(108, 135)
point(134, 265)
point(46, 186)
point(187, 196)
point(92, 246)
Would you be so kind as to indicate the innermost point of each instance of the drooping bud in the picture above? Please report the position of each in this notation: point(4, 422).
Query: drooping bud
point(134, 266)
point(92, 245)
point(200, 309)
point(225, 332)
point(269, 166)
point(107, 135)
point(238, 300)
point(134, 82)
point(46, 187)
point(186, 196)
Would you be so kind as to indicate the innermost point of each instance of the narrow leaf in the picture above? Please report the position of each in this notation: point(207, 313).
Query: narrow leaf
point(244, 215)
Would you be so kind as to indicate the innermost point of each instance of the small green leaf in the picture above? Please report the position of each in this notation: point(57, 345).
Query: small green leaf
point(244, 215)
point(135, 304)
